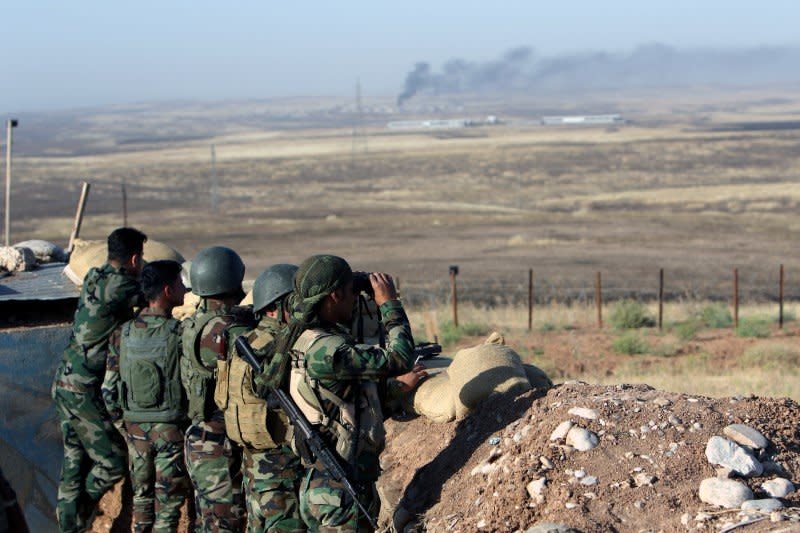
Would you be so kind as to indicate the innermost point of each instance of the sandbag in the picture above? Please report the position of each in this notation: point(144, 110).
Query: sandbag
point(89, 254)
point(478, 372)
point(537, 378)
point(433, 398)
point(45, 252)
point(14, 259)
point(189, 307)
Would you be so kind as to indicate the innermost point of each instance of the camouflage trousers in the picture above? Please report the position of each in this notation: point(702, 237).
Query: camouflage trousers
point(158, 475)
point(94, 457)
point(215, 468)
point(271, 481)
point(326, 507)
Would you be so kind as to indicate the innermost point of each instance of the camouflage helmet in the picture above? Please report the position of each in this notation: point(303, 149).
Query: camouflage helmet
point(216, 271)
point(272, 284)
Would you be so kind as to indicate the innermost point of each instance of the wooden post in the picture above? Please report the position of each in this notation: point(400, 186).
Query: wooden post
point(530, 299)
point(780, 299)
point(661, 299)
point(10, 125)
point(76, 227)
point(598, 298)
point(454, 290)
point(124, 205)
point(735, 298)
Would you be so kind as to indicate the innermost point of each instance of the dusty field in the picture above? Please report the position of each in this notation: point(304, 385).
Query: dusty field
point(663, 191)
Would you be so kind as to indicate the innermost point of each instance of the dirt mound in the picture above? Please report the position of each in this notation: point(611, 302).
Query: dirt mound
point(500, 470)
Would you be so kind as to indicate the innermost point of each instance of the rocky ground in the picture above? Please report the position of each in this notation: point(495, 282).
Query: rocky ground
point(599, 458)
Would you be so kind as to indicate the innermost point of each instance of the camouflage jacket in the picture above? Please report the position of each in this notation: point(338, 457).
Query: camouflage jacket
point(266, 330)
point(107, 300)
point(212, 345)
point(110, 388)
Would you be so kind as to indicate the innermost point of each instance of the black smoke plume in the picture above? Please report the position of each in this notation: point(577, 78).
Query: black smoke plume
point(652, 65)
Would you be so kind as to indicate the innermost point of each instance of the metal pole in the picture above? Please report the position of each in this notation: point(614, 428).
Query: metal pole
point(76, 227)
point(530, 299)
point(661, 299)
point(598, 297)
point(10, 125)
point(124, 205)
point(735, 297)
point(780, 300)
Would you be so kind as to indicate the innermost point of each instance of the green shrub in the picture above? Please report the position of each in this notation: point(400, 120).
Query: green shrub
point(630, 343)
point(451, 334)
point(771, 356)
point(630, 314)
point(547, 326)
point(686, 331)
point(753, 327)
point(716, 316)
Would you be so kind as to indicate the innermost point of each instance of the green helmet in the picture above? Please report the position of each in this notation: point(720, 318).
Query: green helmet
point(272, 284)
point(216, 271)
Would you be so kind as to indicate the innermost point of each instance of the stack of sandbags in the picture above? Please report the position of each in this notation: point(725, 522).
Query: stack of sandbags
point(90, 254)
point(44, 251)
point(16, 259)
point(457, 387)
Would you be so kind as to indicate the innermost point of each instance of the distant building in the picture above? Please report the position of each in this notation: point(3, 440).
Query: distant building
point(583, 120)
point(442, 124)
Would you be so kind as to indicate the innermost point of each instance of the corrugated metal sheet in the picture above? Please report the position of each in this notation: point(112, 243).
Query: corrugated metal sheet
point(45, 283)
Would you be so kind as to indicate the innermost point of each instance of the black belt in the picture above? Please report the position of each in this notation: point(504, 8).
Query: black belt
point(202, 434)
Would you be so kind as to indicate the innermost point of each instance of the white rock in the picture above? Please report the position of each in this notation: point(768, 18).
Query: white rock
point(481, 524)
point(746, 436)
point(570, 505)
point(662, 402)
point(561, 430)
point(724, 452)
point(767, 505)
point(775, 516)
point(535, 489)
point(581, 439)
point(778, 487)
point(579, 473)
point(584, 412)
point(589, 481)
point(726, 493)
point(547, 464)
point(685, 518)
point(642, 480)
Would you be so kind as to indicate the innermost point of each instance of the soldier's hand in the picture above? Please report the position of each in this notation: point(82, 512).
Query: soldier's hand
point(383, 285)
point(411, 380)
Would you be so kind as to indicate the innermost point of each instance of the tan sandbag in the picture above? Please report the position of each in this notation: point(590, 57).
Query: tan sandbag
point(45, 252)
point(15, 259)
point(537, 378)
point(248, 299)
point(89, 254)
point(189, 307)
point(478, 372)
point(433, 398)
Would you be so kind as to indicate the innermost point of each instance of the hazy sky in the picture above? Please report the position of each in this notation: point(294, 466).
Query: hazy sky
point(58, 54)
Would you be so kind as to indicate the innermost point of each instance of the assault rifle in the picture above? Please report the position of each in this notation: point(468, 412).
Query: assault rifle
point(307, 432)
point(427, 350)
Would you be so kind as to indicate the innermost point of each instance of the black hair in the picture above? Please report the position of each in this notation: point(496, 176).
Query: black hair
point(157, 275)
point(124, 243)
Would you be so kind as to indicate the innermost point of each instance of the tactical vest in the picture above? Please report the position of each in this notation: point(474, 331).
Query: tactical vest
point(150, 386)
point(248, 419)
point(354, 427)
point(198, 379)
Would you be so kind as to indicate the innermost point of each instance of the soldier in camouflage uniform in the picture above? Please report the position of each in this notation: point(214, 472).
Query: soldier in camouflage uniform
point(212, 459)
point(142, 387)
point(94, 453)
point(272, 471)
point(343, 386)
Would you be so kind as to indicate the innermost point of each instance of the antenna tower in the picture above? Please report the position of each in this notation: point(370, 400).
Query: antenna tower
point(359, 137)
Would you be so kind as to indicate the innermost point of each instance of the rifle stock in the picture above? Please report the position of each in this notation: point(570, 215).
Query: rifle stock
point(307, 432)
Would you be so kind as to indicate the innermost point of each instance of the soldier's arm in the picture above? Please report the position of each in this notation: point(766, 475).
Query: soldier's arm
point(122, 295)
point(371, 362)
point(110, 387)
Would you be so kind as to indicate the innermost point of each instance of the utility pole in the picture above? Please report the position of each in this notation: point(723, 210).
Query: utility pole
point(214, 183)
point(10, 125)
point(359, 137)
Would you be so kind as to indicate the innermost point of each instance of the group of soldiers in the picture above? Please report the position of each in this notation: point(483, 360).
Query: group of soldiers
point(173, 404)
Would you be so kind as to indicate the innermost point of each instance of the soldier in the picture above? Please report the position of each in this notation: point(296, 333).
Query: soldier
point(213, 461)
point(272, 472)
point(143, 388)
point(342, 386)
point(94, 453)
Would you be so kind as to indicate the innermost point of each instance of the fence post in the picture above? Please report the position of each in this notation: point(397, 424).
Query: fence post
point(454, 289)
point(780, 300)
point(735, 298)
point(530, 299)
point(76, 226)
point(661, 299)
point(598, 297)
